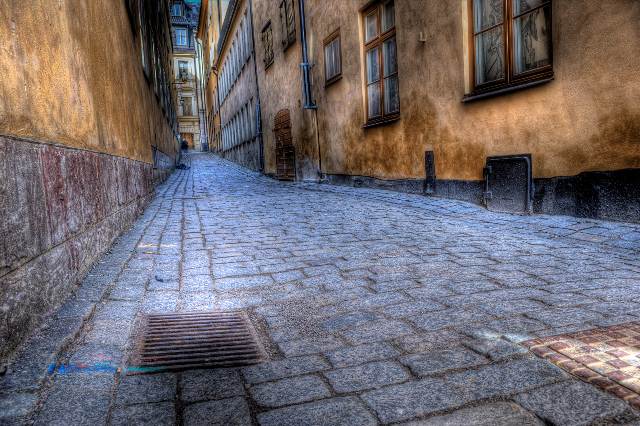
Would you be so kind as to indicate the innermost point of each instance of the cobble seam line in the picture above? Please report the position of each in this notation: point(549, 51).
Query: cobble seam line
point(117, 378)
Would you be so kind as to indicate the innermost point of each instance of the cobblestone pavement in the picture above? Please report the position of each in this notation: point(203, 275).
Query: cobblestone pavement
point(375, 307)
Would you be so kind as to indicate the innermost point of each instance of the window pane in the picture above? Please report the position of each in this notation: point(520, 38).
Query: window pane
point(327, 62)
point(532, 40)
point(388, 18)
point(336, 56)
point(332, 59)
point(283, 22)
point(371, 27)
point(521, 6)
point(291, 26)
point(373, 96)
point(490, 56)
point(391, 95)
point(487, 13)
point(373, 66)
point(389, 56)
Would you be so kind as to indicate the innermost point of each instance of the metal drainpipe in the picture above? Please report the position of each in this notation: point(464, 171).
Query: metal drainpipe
point(306, 81)
point(202, 112)
point(258, 106)
point(308, 102)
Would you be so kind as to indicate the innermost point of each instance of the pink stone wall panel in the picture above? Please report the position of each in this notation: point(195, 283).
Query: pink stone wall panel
point(24, 231)
point(54, 187)
point(60, 209)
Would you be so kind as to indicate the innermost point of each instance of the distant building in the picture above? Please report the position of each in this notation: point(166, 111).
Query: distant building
point(208, 35)
point(188, 75)
point(233, 94)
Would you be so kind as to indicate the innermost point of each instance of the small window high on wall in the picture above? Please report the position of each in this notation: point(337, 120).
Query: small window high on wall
point(181, 37)
point(332, 58)
point(381, 64)
point(267, 44)
point(510, 43)
point(287, 23)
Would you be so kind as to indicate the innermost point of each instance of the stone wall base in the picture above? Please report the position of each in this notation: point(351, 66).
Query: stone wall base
point(612, 195)
point(60, 210)
point(246, 154)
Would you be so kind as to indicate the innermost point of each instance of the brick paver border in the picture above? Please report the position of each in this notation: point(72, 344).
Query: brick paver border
point(607, 357)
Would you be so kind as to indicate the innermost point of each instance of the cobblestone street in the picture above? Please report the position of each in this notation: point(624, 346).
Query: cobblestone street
point(374, 307)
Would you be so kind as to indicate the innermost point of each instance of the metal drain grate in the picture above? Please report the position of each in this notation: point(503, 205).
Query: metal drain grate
point(182, 341)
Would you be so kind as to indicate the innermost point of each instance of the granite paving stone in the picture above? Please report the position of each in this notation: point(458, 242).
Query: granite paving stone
point(77, 400)
point(223, 412)
point(201, 385)
point(345, 411)
point(435, 362)
point(284, 368)
point(349, 356)
point(366, 376)
point(492, 414)
point(576, 403)
point(290, 391)
point(505, 378)
point(413, 399)
point(146, 388)
point(161, 413)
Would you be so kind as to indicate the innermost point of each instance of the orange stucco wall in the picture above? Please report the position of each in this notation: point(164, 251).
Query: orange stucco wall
point(72, 75)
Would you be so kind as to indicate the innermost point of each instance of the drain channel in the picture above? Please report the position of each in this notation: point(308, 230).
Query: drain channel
point(181, 341)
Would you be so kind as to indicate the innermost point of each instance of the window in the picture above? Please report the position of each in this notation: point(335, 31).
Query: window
point(267, 44)
point(332, 58)
point(511, 43)
point(382, 93)
point(187, 106)
point(287, 23)
point(181, 37)
point(183, 69)
point(176, 9)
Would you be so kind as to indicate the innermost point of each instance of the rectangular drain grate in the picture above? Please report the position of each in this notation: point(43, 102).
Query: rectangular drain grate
point(181, 341)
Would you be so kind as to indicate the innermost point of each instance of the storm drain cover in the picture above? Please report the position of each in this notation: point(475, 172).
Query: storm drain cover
point(181, 341)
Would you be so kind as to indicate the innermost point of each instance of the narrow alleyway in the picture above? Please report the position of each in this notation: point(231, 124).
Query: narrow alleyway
point(374, 307)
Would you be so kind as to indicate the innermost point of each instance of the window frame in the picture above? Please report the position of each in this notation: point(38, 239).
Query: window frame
point(327, 41)
point(378, 42)
point(265, 28)
point(186, 37)
point(186, 68)
point(511, 80)
point(179, 9)
point(288, 37)
point(184, 103)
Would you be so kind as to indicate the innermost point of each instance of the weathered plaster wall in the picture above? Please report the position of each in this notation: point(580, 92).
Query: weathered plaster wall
point(242, 92)
point(281, 88)
point(83, 141)
point(71, 74)
point(587, 119)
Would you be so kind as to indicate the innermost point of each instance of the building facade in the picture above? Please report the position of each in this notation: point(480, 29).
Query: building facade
point(238, 98)
point(87, 129)
point(210, 22)
point(187, 73)
point(524, 106)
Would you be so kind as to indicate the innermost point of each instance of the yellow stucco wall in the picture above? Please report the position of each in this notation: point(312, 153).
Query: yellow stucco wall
point(71, 74)
point(587, 119)
point(281, 88)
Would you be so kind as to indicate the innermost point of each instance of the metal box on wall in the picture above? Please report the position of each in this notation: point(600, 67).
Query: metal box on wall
point(508, 184)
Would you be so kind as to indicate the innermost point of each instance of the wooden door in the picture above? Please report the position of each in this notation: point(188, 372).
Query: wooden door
point(285, 152)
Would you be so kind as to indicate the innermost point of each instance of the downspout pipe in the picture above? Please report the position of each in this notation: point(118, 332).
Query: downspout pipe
point(258, 122)
point(306, 79)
